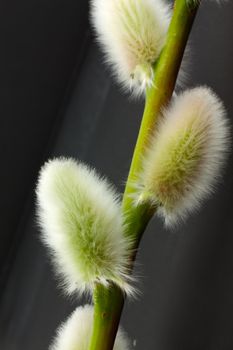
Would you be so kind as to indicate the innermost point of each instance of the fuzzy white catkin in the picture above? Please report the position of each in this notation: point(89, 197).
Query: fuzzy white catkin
point(75, 333)
point(82, 226)
point(132, 34)
point(184, 161)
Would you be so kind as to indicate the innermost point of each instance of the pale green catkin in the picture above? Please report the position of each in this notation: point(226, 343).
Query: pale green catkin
point(184, 161)
point(132, 34)
point(80, 217)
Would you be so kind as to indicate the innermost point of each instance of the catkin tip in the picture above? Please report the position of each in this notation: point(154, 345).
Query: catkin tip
point(76, 332)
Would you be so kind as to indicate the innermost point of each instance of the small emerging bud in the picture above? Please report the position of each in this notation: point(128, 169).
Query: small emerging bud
point(132, 33)
point(80, 217)
point(75, 333)
point(184, 160)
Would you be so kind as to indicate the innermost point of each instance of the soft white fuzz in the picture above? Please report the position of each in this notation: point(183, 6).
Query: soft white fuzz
point(75, 333)
point(132, 33)
point(184, 161)
point(80, 217)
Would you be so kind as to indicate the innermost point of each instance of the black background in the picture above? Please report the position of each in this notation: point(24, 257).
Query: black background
point(57, 98)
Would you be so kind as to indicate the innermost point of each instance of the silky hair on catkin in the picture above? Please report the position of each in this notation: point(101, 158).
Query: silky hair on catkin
point(186, 155)
point(80, 217)
point(132, 34)
point(75, 333)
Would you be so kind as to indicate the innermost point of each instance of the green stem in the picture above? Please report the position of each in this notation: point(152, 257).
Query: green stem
point(108, 307)
point(166, 71)
point(108, 302)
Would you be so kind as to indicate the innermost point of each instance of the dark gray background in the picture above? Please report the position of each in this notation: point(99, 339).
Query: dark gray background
point(56, 98)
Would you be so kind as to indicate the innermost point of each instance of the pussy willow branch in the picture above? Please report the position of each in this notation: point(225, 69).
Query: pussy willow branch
point(108, 302)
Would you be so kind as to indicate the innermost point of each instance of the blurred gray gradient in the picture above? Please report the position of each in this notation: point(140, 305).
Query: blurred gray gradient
point(58, 98)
